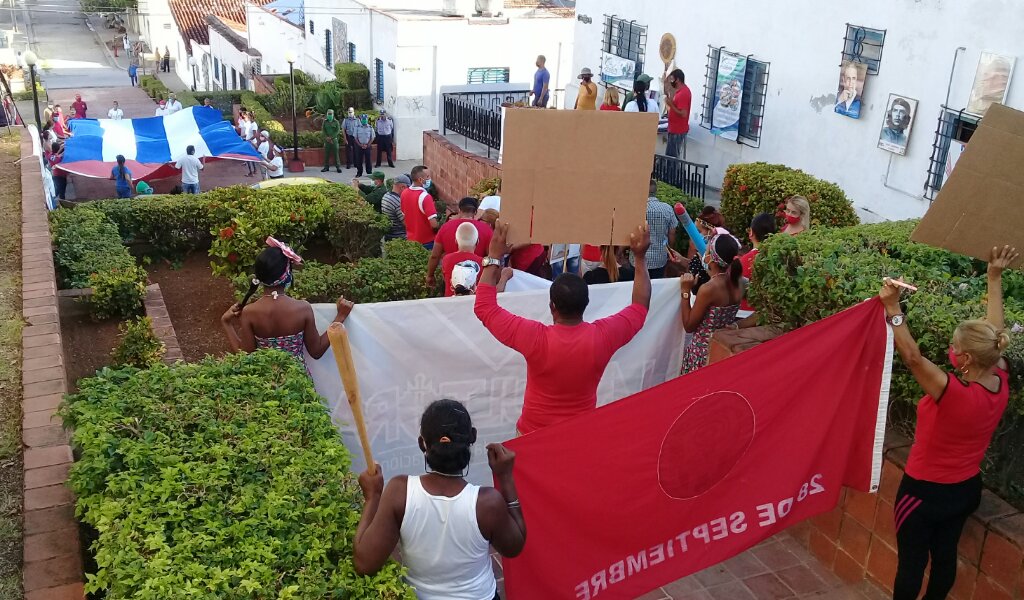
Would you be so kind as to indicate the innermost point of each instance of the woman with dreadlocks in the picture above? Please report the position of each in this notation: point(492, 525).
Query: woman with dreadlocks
point(276, 320)
point(442, 523)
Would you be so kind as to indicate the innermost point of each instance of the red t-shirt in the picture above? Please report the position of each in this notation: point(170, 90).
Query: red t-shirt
point(522, 259)
point(448, 265)
point(747, 260)
point(610, 107)
point(564, 363)
point(446, 236)
point(418, 207)
point(954, 431)
point(591, 253)
point(682, 100)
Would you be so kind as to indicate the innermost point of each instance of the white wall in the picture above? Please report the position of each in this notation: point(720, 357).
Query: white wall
point(273, 37)
point(227, 54)
point(803, 41)
point(157, 25)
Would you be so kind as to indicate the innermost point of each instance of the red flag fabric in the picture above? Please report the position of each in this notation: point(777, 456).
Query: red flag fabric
point(664, 483)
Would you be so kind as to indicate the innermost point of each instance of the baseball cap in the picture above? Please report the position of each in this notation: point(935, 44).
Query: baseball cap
point(378, 175)
point(464, 276)
point(403, 179)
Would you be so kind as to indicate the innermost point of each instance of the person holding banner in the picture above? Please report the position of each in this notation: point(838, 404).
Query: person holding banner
point(718, 301)
point(277, 320)
point(955, 422)
point(443, 524)
point(564, 361)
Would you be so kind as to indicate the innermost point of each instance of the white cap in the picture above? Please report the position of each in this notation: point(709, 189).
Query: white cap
point(465, 274)
point(490, 202)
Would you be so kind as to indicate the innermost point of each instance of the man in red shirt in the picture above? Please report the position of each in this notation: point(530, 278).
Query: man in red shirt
point(445, 242)
point(419, 210)
point(678, 100)
point(564, 361)
point(78, 107)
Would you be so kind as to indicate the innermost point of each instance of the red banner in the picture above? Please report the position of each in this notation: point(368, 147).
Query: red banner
point(654, 487)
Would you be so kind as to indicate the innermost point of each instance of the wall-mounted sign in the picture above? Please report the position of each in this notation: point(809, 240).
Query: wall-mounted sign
point(851, 88)
point(899, 118)
point(617, 71)
point(991, 82)
point(584, 19)
point(725, 119)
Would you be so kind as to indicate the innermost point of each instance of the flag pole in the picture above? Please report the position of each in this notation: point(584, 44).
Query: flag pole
point(347, 369)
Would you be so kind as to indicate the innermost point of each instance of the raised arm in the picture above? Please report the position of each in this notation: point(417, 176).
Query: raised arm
point(929, 376)
point(230, 321)
point(498, 510)
point(639, 242)
point(1001, 259)
point(511, 330)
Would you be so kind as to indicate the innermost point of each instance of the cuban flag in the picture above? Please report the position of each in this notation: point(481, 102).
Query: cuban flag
point(151, 145)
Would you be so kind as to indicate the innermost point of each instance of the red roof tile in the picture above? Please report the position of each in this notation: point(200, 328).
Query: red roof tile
point(190, 15)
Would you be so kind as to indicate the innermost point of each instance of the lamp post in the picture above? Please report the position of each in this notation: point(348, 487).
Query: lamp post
point(30, 61)
point(296, 163)
point(192, 67)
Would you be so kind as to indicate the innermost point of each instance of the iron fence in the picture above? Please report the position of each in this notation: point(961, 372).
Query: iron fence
point(477, 115)
point(687, 176)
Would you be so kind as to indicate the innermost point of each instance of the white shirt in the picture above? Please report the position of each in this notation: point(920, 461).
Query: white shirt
point(264, 149)
point(490, 202)
point(190, 167)
point(173, 106)
point(162, 112)
point(278, 162)
point(558, 252)
point(115, 113)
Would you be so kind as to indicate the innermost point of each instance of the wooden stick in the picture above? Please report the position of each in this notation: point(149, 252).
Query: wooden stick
point(347, 369)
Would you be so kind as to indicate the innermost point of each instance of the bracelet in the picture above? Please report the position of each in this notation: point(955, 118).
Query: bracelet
point(513, 504)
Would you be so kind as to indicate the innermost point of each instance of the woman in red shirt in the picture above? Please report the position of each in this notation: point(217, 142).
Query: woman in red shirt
point(611, 99)
point(955, 422)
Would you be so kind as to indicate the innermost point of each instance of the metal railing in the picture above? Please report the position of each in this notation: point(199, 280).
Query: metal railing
point(491, 100)
point(687, 176)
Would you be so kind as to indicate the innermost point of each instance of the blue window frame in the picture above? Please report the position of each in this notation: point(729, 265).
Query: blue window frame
point(328, 49)
point(351, 52)
point(311, 28)
point(488, 75)
point(378, 70)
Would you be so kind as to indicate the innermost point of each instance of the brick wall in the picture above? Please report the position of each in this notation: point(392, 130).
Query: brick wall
point(453, 169)
point(52, 552)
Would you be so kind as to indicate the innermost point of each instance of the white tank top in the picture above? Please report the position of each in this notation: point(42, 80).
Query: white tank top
point(442, 547)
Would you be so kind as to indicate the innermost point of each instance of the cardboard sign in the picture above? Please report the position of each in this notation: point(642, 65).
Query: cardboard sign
point(981, 205)
point(575, 176)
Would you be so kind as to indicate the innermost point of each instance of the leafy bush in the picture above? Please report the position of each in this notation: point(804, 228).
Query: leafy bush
point(263, 118)
point(153, 87)
point(117, 292)
point(172, 225)
point(485, 187)
point(352, 76)
point(749, 189)
point(361, 99)
point(669, 194)
point(138, 347)
point(307, 139)
point(224, 477)
point(223, 101)
point(353, 228)
point(290, 213)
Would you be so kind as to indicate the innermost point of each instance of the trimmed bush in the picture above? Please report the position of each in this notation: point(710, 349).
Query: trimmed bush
point(307, 139)
point(352, 76)
point(224, 477)
point(117, 293)
point(670, 194)
point(138, 347)
point(353, 228)
point(485, 187)
point(361, 100)
point(749, 189)
point(264, 119)
point(172, 225)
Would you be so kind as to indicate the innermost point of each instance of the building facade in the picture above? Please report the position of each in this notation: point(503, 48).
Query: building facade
point(921, 62)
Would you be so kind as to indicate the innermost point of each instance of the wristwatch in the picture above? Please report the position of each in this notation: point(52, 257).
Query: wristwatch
point(896, 320)
point(686, 294)
point(491, 262)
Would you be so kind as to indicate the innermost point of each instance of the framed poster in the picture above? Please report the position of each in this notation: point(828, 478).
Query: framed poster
point(899, 118)
point(851, 88)
point(617, 71)
point(725, 118)
point(991, 82)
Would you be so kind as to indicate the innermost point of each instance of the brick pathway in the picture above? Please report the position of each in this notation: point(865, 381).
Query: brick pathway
point(777, 569)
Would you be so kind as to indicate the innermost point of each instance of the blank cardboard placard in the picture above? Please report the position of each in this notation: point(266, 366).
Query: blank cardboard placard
point(981, 205)
point(575, 176)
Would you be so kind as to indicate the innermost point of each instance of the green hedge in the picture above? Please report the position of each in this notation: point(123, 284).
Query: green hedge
point(353, 228)
point(264, 119)
point(89, 254)
point(670, 194)
point(800, 279)
point(307, 139)
point(222, 479)
point(749, 189)
point(352, 76)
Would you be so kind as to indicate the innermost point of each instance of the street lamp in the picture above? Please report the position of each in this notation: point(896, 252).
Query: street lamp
point(30, 61)
point(290, 57)
point(192, 64)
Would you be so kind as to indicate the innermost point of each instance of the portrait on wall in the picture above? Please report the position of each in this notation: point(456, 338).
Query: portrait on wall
point(991, 82)
point(725, 120)
point(617, 71)
point(851, 88)
point(899, 119)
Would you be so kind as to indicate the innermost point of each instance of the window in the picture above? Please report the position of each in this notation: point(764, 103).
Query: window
point(328, 49)
point(378, 75)
point(625, 39)
point(864, 45)
point(351, 52)
point(488, 75)
point(954, 131)
point(312, 30)
point(223, 76)
point(241, 83)
point(234, 79)
point(216, 68)
point(752, 101)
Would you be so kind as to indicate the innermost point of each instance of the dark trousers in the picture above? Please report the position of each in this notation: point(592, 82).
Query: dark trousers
point(331, 149)
point(363, 159)
point(60, 185)
point(658, 273)
point(929, 520)
point(384, 145)
point(350, 151)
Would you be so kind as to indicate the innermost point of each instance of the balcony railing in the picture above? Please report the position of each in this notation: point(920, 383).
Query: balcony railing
point(477, 115)
point(687, 176)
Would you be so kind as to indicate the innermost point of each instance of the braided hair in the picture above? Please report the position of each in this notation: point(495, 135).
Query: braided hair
point(446, 434)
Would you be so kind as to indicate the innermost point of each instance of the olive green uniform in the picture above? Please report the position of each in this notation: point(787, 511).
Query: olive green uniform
point(331, 130)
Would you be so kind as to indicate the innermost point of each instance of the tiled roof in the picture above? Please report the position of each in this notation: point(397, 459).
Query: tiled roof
point(540, 4)
point(190, 15)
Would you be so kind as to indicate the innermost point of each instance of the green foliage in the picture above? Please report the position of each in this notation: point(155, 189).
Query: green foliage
point(26, 94)
point(263, 118)
point(187, 99)
point(138, 347)
point(327, 97)
point(171, 225)
point(353, 228)
point(749, 189)
point(153, 87)
point(86, 241)
point(669, 194)
point(222, 479)
point(352, 76)
point(485, 187)
point(117, 292)
point(103, 6)
point(223, 101)
point(307, 139)
point(361, 100)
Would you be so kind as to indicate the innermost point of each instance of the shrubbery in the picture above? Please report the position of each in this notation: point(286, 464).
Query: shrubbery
point(222, 479)
point(752, 188)
point(354, 229)
point(670, 194)
point(264, 119)
point(138, 346)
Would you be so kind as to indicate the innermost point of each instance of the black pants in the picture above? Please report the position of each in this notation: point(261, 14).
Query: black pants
point(658, 273)
point(351, 150)
point(384, 146)
point(929, 520)
point(60, 185)
point(363, 159)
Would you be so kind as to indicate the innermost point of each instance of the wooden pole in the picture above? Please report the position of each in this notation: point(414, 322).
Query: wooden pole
point(347, 369)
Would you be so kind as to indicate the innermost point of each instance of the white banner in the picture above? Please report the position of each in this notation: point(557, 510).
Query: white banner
point(408, 354)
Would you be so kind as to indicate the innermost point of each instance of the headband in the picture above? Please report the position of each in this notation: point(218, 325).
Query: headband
point(714, 253)
point(292, 256)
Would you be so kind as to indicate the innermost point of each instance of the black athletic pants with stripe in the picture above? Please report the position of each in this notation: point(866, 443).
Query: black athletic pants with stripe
point(929, 520)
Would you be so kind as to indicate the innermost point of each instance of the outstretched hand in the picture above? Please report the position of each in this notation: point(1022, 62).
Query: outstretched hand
point(500, 459)
point(640, 240)
point(1001, 259)
point(344, 308)
point(499, 241)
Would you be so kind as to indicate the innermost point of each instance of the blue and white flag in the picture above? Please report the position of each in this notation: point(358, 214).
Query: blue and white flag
point(150, 143)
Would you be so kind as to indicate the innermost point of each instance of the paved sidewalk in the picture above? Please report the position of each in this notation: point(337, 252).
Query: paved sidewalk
point(777, 569)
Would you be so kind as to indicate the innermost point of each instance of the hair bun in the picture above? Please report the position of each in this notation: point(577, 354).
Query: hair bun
point(1002, 340)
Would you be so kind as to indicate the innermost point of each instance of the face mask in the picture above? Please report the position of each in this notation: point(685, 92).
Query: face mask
point(952, 358)
point(703, 261)
point(426, 184)
point(792, 219)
